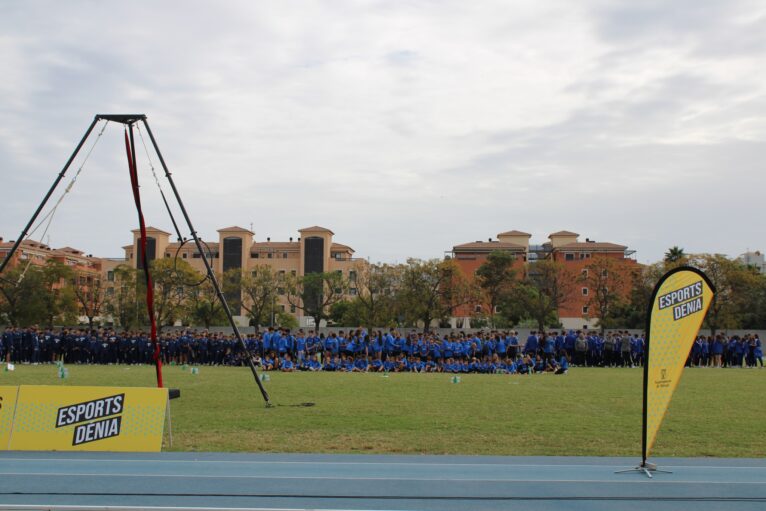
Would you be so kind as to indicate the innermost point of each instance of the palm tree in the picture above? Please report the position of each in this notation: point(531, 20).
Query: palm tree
point(674, 254)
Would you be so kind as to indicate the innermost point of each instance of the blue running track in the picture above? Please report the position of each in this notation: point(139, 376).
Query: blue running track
point(214, 481)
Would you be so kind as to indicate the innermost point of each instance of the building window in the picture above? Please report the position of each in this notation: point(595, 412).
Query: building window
point(110, 291)
point(167, 255)
point(281, 274)
point(352, 291)
point(281, 290)
point(110, 276)
point(184, 255)
point(196, 255)
point(569, 257)
point(293, 273)
point(284, 255)
point(585, 273)
point(254, 273)
point(269, 255)
point(496, 310)
point(338, 290)
point(282, 308)
point(339, 272)
point(477, 308)
point(585, 291)
point(254, 255)
point(352, 276)
point(604, 272)
point(584, 309)
point(292, 309)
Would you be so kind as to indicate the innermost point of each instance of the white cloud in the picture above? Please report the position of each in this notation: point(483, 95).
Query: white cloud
point(406, 127)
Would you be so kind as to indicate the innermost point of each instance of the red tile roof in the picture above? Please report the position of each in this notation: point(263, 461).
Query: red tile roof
point(514, 233)
point(235, 228)
point(563, 233)
point(341, 246)
point(151, 229)
point(316, 228)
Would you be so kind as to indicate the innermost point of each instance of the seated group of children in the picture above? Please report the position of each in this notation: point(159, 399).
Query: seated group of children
point(360, 364)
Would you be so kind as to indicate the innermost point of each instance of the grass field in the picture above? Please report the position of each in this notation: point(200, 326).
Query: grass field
point(715, 412)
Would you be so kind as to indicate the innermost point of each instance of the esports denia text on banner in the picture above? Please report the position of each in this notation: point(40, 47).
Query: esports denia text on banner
point(88, 419)
point(679, 304)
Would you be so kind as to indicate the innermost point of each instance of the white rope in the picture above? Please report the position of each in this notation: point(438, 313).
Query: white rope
point(148, 157)
point(48, 218)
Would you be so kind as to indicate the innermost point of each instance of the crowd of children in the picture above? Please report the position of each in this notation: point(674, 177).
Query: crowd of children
point(365, 351)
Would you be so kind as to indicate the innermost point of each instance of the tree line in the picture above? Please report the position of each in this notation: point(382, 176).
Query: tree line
point(418, 293)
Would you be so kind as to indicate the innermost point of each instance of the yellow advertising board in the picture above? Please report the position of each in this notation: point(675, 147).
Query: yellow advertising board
point(7, 408)
point(679, 304)
point(56, 418)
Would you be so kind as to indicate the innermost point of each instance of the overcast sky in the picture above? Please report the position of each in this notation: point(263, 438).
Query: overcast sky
point(405, 127)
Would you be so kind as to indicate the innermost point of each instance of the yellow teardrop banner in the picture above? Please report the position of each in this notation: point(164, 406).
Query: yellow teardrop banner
point(679, 304)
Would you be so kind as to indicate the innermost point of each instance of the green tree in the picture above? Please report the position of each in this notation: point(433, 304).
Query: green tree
point(377, 285)
point(124, 305)
point(259, 292)
point(89, 293)
point(754, 310)
point(203, 306)
point(496, 278)
point(168, 278)
point(735, 286)
point(675, 256)
point(285, 320)
point(546, 287)
point(23, 296)
point(432, 290)
point(60, 300)
point(231, 286)
point(605, 283)
point(349, 313)
point(633, 312)
point(315, 293)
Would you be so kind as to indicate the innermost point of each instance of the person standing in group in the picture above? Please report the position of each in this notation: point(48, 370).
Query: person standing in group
point(625, 345)
point(757, 351)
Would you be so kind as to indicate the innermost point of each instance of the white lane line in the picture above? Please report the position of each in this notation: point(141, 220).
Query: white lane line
point(385, 463)
point(405, 479)
point(160, 508)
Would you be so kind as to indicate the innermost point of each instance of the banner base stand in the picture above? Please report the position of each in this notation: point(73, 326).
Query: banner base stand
point(645, 468)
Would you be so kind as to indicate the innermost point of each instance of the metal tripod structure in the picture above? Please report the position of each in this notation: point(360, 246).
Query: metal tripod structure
point(129, 120)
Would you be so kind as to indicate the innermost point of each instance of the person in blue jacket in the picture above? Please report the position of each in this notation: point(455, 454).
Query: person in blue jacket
point(530, 347)
point(287, 365)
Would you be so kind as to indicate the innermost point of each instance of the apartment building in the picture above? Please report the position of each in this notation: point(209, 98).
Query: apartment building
point(564, 247)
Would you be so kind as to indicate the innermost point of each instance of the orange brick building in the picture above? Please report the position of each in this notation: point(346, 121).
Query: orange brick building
point(87, 269)
point(563, 247)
